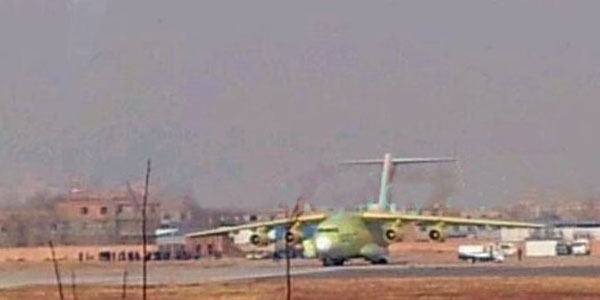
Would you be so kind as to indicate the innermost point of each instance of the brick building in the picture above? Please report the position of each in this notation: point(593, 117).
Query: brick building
point(79, 218)
point(105, 218)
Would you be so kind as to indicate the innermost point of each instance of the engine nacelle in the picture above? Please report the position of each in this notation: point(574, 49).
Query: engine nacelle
point(393, 234)
point(294, 236)
point(259, 239)
point(437, 234)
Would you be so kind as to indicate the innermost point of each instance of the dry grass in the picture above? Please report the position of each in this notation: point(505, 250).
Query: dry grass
point(439, 288)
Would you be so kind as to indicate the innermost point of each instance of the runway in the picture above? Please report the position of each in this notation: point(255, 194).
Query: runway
point(188, 274)
point(455, 271)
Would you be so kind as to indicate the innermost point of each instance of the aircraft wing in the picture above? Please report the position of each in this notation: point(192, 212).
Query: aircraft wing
point(312, 218)
point(401, 161)
point(389, 216)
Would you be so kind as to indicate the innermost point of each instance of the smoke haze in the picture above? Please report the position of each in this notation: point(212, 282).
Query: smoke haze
point(236, 102)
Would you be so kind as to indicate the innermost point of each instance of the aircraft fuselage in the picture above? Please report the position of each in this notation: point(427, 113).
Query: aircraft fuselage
point(345, 236)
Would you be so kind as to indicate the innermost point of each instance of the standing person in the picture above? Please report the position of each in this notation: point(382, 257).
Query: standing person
point(520, 253)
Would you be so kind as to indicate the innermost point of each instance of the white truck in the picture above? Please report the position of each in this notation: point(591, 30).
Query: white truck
point(580, 247)
point(477, 253)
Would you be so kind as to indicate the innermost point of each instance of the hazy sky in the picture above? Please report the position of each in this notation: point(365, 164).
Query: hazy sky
point(248, 103)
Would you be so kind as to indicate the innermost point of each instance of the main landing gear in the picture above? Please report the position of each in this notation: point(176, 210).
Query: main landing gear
point(330, 261)
point(379, 261)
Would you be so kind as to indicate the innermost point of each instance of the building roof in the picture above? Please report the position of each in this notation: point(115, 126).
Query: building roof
point(580, 224)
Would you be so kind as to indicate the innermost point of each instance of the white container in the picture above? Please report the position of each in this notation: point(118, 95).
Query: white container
point(540, 248)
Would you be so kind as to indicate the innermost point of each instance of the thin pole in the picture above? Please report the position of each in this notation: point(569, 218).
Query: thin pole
point(294, 216)
point(73, 285)
point(56, 271)
point(288, 279)
point(144, 237)
point(124, 287)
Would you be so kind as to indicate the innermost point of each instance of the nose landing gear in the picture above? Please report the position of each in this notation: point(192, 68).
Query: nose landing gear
point(330, 261)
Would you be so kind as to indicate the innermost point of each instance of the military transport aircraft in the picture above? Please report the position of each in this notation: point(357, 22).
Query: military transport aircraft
point(367, 234)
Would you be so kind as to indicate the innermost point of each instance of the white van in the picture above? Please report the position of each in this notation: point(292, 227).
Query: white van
point(475, 253)
point(580, 247)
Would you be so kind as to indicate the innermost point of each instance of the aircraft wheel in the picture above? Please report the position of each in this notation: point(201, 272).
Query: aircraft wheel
point(379, 261)
point(328, 262)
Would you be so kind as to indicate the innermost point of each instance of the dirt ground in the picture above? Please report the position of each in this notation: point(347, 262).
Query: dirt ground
point(303, 288)
point(439, 288)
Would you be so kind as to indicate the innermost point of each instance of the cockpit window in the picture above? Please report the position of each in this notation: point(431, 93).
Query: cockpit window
point(332, 229)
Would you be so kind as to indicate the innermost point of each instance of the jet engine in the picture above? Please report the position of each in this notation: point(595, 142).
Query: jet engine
point(437, 234)
point(259, 239)
point(294, 236)
point(393, 234)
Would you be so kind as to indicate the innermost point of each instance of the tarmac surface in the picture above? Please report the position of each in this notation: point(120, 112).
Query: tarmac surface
point(166, 274)
point(455, 271)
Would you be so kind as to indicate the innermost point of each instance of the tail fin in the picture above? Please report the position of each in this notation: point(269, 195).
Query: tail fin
point(388, 165)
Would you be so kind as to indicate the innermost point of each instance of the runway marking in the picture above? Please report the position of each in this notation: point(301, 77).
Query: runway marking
point(332, 269)
point(270, 275)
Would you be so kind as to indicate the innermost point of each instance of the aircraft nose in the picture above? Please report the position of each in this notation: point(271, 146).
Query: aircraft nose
point(323, 243)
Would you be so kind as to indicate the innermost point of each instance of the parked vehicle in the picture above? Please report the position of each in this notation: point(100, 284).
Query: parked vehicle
point(563, 249)
point(478, 253)
point(581, 247)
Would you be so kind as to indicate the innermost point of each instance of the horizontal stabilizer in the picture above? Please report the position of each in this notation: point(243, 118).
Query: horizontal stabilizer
point(400, 161)
point(388, 163)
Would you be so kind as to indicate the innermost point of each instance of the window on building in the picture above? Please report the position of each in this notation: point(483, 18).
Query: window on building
point(103, 210)
point(3, 229)
point(84, 210)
